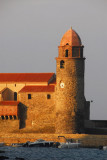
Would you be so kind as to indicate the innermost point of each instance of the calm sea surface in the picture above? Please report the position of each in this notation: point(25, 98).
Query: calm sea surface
point(53, 153)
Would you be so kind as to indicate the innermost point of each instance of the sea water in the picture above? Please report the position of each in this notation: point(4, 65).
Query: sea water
point(39, 153)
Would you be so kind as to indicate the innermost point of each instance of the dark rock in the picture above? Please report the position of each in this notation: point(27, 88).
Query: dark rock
point(101, 147)
point(3, 157)
point(2, 151)
point(18, 158)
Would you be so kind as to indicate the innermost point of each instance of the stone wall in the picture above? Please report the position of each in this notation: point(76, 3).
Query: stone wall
point(96, 124)
point(9, 126)
point(70, 99)
point(40, 112)
point(87, 110)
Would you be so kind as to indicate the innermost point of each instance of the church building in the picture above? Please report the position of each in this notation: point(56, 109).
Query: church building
point(48, 102)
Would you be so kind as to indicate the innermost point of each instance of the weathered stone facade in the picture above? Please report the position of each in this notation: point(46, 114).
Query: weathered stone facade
point(70, 99)
point(40, 111)
point(49, 103)
point(70, 102)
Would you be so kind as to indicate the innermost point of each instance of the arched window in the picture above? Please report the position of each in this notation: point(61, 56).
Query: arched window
point(14, 117)
point(6, 117)
point(2, 117)
point(66, 53)
point(10, 117)
point(61, 64)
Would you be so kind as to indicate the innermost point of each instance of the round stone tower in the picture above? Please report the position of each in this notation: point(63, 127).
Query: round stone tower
point(70, 98)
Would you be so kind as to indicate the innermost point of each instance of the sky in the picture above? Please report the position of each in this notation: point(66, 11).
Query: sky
point(31, 31)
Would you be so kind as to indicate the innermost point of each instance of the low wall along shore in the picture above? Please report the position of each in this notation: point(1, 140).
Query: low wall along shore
point(85, 139)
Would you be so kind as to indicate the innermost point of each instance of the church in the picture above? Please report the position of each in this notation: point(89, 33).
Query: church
point(48, 102)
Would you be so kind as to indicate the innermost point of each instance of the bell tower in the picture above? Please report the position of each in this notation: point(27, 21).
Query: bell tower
point(70, 100)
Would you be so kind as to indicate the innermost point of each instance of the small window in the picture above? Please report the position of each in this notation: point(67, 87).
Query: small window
point(29, 96)
point(66, 53)
point(48, 96)
point(67, 43)
point(15, 85)
point(61, 64)
point(15, 96)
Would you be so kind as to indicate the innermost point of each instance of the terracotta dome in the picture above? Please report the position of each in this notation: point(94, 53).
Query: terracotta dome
point(71, 38)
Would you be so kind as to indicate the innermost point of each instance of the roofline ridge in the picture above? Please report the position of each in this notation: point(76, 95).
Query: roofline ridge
point(30, 73)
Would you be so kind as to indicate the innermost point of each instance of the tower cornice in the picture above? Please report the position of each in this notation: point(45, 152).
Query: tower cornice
point(71, 46)
point(66, 58)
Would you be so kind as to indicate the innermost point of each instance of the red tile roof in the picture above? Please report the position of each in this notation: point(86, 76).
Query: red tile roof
point(38, 89)
point(25, 77)
point(10, 103)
